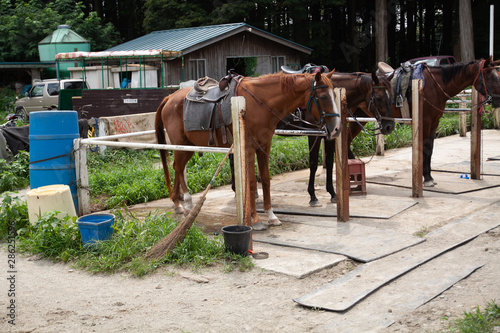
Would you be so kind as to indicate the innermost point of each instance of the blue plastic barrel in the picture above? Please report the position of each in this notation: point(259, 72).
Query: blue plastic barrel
point(51, 142)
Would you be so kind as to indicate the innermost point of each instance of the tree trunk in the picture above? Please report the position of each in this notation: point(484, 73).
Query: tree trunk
point(382, 50)
point(466, 31)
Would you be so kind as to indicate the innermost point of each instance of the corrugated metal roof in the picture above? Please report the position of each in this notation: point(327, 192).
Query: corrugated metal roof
point(189, 39)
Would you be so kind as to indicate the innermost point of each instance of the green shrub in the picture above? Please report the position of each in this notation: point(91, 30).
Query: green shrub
point(55, 238)
point(15, 174)
point(13, 212)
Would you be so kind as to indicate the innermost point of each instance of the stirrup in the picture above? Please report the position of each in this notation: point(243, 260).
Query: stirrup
point(399, 101)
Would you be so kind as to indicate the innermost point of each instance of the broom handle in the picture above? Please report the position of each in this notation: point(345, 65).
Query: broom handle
point(230, 151)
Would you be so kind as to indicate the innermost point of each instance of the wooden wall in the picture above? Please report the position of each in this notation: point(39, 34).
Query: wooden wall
point(241, 45)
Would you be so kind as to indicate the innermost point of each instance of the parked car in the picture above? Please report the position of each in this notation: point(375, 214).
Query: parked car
point(435, 60)
point(44, 95)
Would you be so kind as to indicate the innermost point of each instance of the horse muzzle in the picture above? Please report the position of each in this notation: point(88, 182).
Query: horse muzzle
point(332, 132)
point(495, 100)
point(386, 126)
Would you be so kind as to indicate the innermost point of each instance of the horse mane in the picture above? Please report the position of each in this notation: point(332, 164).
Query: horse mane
point(287, 83)
point(449, 72)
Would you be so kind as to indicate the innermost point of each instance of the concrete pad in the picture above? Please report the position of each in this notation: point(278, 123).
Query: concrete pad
point(294, 262)
point(353, 240)
point(343, 293)
point(447, 182)
point(362, 206)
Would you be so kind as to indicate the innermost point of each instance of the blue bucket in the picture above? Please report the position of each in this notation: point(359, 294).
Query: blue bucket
point(51, 142)
point(95, 227)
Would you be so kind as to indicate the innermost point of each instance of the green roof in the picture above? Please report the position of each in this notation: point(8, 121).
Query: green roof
point(188, 40)
point(63, 34)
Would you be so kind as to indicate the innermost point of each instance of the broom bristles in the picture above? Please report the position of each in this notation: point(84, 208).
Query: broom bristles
point(168, 243)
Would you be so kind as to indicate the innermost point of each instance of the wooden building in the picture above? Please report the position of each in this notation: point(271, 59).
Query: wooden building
point(213, 50)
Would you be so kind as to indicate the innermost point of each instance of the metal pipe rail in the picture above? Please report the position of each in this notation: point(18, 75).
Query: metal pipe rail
point(137, 145)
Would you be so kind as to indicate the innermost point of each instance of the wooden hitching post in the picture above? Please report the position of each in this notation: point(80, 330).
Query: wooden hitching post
point(82, 178)
point(417, 139)
point(475, 137)
point(341, 162)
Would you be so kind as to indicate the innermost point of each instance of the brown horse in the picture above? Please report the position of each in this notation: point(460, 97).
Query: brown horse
point(268, 99)
point(441, 83)
point(375, 92)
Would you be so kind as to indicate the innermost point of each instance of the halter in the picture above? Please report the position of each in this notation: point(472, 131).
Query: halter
point(377, 113)
point(314, 98)
point(483, 88)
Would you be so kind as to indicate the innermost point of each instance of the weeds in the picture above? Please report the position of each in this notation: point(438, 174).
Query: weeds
point(478, 321)
point(60, 240)
point(14, 175)
point(13, 211)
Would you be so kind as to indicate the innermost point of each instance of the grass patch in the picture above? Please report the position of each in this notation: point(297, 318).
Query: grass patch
point(477, 321)
point(60, 240)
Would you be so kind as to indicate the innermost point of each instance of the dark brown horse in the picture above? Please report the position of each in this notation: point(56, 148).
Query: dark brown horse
point(371, 89)
point(268, 99)
point(441, 83)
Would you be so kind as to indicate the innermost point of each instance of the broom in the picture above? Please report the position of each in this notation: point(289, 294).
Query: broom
point(170, 241)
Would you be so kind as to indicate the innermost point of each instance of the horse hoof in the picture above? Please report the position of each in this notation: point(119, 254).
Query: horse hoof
point(429, 183)
point(179, 210)
point(259, 226)
point(274, 222)
point(333, 199)
point(315, 203)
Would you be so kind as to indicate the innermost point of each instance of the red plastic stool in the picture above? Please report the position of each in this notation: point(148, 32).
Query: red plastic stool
point(357, 180)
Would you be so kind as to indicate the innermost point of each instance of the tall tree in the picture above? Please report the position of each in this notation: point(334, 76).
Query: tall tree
point(381, 20)
point(466, 31)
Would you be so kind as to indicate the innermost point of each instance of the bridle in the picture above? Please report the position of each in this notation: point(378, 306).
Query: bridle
point(483, 88)
point(378, 116)
point(313, 98)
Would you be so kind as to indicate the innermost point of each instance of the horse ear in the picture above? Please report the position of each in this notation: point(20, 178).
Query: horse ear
point(375, 78)
point(329, 75)
point(317, 77)
point(488, 61)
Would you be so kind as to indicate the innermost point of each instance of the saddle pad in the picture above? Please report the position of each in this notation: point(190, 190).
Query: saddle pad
point(198, 115)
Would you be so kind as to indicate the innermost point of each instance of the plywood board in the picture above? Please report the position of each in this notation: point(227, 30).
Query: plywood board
point(353, 240)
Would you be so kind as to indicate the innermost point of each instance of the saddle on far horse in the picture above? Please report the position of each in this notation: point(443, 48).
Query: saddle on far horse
point(207, 107)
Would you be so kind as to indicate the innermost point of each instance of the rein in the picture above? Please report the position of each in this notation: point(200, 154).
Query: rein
point(312, 97)
point(479, 76)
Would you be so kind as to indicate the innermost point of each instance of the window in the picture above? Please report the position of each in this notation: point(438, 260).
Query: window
point(73, 85)
point(53, 89)
point(197, 69)
point(277, 62)
point(37, 91)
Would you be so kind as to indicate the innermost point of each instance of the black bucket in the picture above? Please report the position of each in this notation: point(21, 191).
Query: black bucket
point(237, 238)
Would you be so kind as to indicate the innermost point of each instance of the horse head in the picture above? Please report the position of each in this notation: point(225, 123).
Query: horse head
point(378, 102)
point(487, 81)
point(326, 110)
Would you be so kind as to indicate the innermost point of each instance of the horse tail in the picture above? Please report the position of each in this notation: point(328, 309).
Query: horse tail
point(160, 136)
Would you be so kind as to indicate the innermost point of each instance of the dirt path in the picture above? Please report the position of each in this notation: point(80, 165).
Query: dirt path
point(56, 298)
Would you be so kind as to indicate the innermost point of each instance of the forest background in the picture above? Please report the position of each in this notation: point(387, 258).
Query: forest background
point(342, 33)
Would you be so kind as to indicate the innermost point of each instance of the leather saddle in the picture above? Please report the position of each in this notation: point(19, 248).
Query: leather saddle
point(206, 107)
point(308, 68)
point(400, 82)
